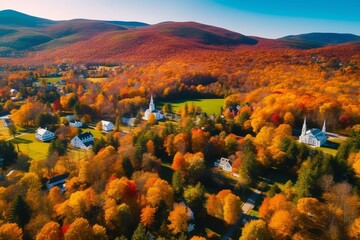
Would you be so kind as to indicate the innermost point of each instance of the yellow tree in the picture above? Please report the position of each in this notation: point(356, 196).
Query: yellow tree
point(50, 231)
point(79, 229)
point(281, 224)
point(160, 191)
point(116, 189)
point(178, 218)
point(152, 119)
point(354, 230)
point(232, 209)
point(289, 118)
point(99, 232)
point(354, 161)
point(197, 238)
point(11, 231)
point(255, 229)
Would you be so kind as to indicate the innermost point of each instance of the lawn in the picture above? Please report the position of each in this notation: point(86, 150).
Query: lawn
point(30, 146)
point(52, 80)
point(97, 134)
point(210, 106)
point(38, 150)
point(331, 146)
point(4, 131)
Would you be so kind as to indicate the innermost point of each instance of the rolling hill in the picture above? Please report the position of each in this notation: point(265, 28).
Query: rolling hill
point(41, 40)
point(315, 40)
point(13, 18)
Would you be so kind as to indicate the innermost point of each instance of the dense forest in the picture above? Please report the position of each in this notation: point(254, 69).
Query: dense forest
point(156, 179)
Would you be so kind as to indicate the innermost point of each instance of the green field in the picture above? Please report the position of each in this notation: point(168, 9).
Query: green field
point(331, 146)
point(97, 134)
point(30, 146)
point(210, 106)
point(52, 80)
point(38, 150)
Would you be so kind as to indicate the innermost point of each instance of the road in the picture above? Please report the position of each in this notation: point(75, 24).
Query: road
point(335, 136)
point(246, 208)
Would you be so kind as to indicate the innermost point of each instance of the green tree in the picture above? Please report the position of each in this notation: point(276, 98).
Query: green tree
point(244, 116)
point(7, 152)
point(59, 146)
point(46, 119)
point(12, 130)
point(19, 212)
point(98, 144)
point(195, 199)
point(127, 167)
point(167, 108)
point(140, 233)
point(247, 170)
point(177, 183)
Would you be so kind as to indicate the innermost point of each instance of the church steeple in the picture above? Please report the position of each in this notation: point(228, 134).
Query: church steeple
point(151, 105)
point(324, 127)
point(303, 131)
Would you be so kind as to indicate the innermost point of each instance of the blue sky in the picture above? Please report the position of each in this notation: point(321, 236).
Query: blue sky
point(264, 18)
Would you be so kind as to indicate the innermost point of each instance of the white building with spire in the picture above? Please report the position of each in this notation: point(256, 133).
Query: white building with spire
point(152, 110)
point(314, 137)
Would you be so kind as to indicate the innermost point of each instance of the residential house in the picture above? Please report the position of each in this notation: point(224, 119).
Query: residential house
point(13, 91)
point(314, 137)
point(107, 126)
point(58, 181)
point(224, 163)
point(75, 123)
point(44, 135)
point(83, 141)
point(8, 122)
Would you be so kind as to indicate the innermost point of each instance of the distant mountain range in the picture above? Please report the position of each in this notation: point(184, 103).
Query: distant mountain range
point(31, 37)
point(319, 39)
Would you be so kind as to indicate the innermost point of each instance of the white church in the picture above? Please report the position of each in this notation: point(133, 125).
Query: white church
point(314, 137)
point(152, 110)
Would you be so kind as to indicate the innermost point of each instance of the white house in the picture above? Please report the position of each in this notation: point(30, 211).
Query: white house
point(314, 137)
point(107, 126)
point(83, 141)
point(75, 123)
point(13, 91)
point(224, 164)
point(8, 122)
point(42, 134)
point(152, 110)
point(58, 181)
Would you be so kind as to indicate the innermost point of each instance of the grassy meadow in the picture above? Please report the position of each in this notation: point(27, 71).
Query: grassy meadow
point(27, 144)
point(210, 106)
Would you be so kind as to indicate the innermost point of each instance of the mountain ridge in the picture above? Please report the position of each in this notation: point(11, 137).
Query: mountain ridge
point(30, 37)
